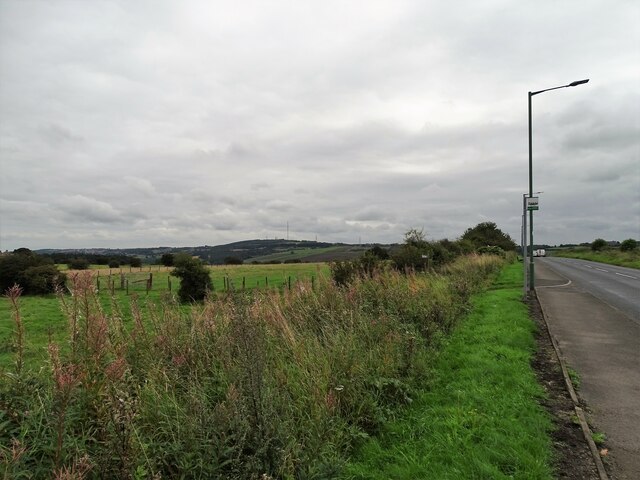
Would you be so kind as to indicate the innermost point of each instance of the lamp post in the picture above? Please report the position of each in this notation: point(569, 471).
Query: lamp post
point(531, 94)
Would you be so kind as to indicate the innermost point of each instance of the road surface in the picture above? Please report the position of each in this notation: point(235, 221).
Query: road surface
point(593, 311)
point(617, 286)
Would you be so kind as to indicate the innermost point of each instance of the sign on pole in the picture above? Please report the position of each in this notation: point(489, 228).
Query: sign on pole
point(532, 203)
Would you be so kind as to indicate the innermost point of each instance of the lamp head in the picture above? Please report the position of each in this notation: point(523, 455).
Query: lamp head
point(578, 82)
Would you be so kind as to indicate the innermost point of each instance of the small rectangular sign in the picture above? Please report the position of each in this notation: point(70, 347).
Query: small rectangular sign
point(532, 203)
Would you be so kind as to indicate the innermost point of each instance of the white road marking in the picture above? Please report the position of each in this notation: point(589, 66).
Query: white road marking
point(588, 266)
point(628, 276)
point(554, 286)
point(602, 270)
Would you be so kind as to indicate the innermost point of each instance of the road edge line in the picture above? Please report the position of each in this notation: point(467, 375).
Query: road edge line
point(586, 430)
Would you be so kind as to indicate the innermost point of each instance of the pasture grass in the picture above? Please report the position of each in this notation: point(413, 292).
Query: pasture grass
point(610, 256)
point(479, 415)
point(44, 320)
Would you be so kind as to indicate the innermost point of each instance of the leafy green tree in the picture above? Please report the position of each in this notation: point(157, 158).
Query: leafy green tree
point(628, 245)
point(414, 253)
point(78, 264)
point(167, 259)
point(195, 281)
point(135, 262)
point(488, 234)
point(598, 244)
point(379, 252)
point(234, 261)
point(114, 263)
point(34, 273)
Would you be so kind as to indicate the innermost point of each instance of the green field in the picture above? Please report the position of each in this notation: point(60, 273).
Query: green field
point(43, 317)
point(629, 259)
point(337, 252)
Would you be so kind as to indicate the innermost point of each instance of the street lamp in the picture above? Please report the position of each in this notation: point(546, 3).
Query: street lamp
point(531, 94)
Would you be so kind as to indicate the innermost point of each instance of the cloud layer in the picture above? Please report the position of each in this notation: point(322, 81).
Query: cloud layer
point(180, 123)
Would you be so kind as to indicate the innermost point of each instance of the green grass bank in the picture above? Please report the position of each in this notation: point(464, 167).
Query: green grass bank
point(629, 259)
point(478, 416)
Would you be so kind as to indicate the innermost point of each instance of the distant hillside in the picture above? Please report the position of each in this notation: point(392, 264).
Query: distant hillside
point(247, 250)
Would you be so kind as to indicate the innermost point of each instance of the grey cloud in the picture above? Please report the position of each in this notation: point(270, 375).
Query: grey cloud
point(83, 208)
point(193, 123)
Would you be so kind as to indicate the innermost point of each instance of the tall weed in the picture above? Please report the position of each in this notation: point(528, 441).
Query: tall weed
point(271, 384)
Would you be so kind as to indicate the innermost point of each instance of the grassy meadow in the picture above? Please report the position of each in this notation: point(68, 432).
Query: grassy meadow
point(277, 383)
point(44, 319)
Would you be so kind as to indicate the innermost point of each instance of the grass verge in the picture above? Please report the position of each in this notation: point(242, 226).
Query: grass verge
point(612, 257)
point(479, 415)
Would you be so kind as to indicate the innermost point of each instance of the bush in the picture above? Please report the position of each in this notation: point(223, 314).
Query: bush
point(598, 244)
point(167, 259)
point(491, 251)
point(342, 272)
point(488, 234)
point(233, 261)
point(42, 279)
point(34, 273)
point(195, 282)
point(135, 262)
point(628, 245)
point(114, 264)
point(78, 264)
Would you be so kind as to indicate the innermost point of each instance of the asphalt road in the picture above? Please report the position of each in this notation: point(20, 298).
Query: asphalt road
point(593, 311)
point(617, 286)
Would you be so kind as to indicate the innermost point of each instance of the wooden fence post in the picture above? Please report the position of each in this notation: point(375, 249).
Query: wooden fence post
point(127, 285)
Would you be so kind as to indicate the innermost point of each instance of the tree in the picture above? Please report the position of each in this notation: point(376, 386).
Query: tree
point(234, 261)
point(78, 264)
point(414, 252)
point(135, 262)
point(114, 263)
point(488, 234)
point(195, 281)
point(167, 259)
point(598, 244)
point(628, 245)
point(34, 273)
point(379, 252)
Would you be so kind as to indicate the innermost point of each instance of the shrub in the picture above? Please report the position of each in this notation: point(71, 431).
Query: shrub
point(628, 245)
point(195, 281)
point(488, 234)
point(34, 273)
point(78, 263)
point(598, 244)
point(491, 250)
point(114, 264)
point(42, 279)
point(167, 259)
point(233, 261)
point(135, 262)
point(342, 272)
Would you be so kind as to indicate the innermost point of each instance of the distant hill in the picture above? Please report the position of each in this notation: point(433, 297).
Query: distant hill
point(247, 250)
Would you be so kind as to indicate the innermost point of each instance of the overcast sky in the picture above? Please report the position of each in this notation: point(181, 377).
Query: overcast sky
point(178, 123)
